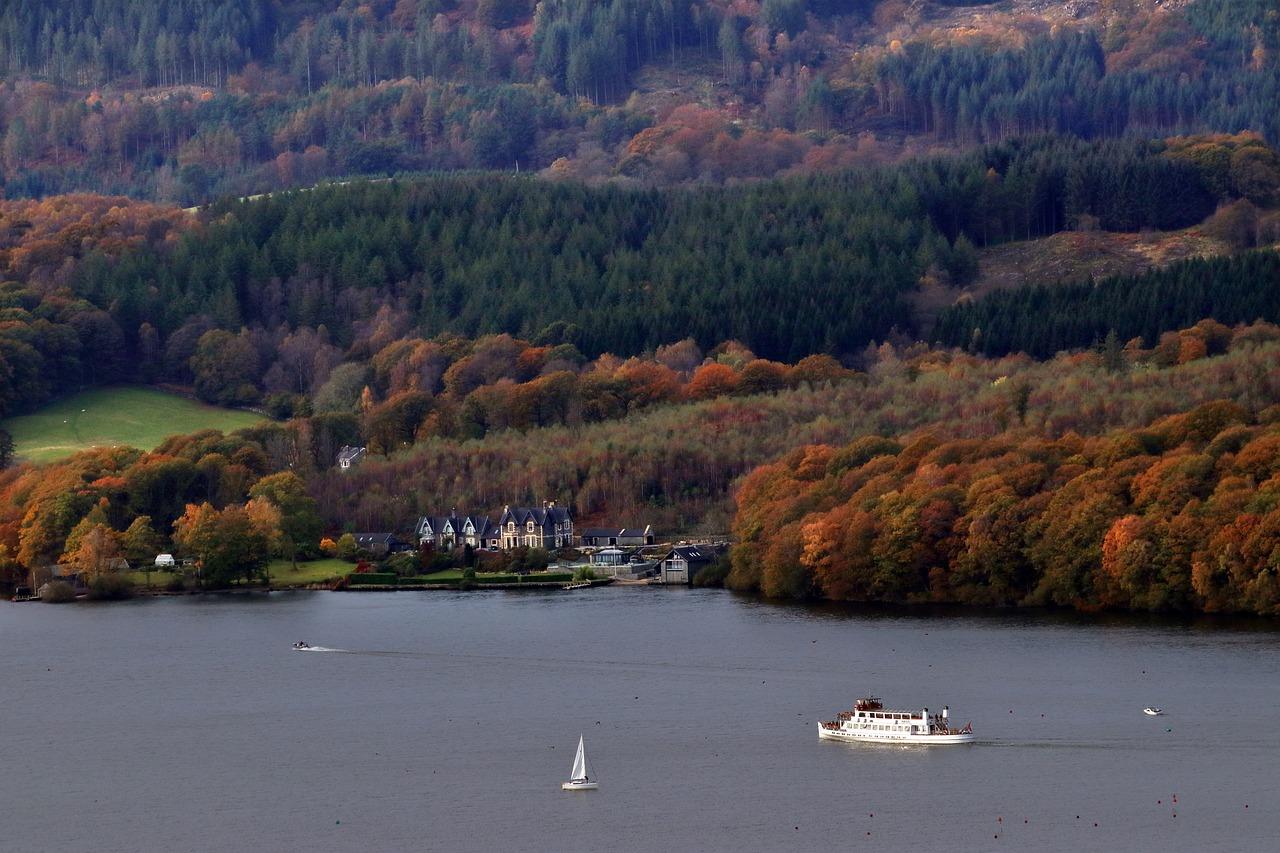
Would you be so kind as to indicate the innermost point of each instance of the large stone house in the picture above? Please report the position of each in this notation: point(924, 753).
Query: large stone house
point(451, 531)
point(549, 527)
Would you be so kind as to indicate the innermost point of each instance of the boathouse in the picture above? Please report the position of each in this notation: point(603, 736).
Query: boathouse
point(682, 563)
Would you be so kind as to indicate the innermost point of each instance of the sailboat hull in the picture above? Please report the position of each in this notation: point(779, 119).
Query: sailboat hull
point(579, 786)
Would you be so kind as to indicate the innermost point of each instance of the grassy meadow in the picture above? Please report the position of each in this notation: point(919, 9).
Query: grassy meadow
point(316, 571)
point(132, 415)
point(281, 571)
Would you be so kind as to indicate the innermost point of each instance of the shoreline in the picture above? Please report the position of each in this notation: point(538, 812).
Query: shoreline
point(871, 611)
point(329, 587)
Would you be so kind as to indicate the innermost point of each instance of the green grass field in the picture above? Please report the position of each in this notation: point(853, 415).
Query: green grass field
point(281, 571)
point(131, 415)
point(316, 571)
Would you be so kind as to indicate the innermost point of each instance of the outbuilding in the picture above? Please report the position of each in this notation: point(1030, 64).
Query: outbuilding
point(349, 457)
point(682, 563)
point(378, 544)
point(613, 537)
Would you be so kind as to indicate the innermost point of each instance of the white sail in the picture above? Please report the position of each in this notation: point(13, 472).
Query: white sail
point(579, 773)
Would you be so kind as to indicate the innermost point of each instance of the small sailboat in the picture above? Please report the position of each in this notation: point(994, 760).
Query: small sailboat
point(580, 777)
point(1153, 711)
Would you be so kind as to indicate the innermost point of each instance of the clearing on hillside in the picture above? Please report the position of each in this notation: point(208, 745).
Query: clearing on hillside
point(135, 416)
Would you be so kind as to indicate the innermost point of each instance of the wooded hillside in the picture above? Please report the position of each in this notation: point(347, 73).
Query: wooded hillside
point(297, 302)
point(1181, 515)
point(184, 101)
point(677, 464)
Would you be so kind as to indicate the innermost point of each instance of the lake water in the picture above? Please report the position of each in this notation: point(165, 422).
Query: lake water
point(450, 721)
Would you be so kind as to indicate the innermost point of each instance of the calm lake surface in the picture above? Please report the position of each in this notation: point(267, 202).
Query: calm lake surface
point(450, 721)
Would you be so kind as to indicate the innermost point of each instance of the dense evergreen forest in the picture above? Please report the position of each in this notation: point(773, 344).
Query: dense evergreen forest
point(1070, 83)
point(185, 101)
point(829, 260)
point(266, 302)
point(1045, 319)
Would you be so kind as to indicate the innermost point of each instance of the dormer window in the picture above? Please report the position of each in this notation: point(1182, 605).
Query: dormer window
point(529, 526)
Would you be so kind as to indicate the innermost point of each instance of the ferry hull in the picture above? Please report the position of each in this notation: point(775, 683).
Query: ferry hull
point(892, 737)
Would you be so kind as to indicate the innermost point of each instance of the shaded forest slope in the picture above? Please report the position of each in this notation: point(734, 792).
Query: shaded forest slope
point(187, 101)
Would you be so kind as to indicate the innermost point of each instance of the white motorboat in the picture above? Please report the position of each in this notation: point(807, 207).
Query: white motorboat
point(301, 645)
point(868, 721)
point(580, 778)
point(1153, 712)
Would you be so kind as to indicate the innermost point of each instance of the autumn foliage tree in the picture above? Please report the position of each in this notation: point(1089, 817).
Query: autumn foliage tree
point(97, 551)
point(229, 544)
point(1178, 515)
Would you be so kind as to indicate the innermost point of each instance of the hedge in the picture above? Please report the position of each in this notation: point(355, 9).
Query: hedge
point(372, 579)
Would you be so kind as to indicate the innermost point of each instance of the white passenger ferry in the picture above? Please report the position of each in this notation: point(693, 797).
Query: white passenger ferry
point(869, 721)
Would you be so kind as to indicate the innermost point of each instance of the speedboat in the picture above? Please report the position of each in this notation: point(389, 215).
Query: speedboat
point(1153, 712)
point(301, 645)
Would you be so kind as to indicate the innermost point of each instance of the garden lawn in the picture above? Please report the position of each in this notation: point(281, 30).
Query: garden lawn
point(125, 415)
point(316, 571)
point(446, 575)
point(282, 573)
point(159, 578)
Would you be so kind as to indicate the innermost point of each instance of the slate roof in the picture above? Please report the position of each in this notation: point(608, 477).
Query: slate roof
point(349, 454)
point(544, 517)
point(484, 526)
point(606, 532)
point(693, 553)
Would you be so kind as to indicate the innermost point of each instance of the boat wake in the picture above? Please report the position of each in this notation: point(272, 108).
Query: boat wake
point(317, 649)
